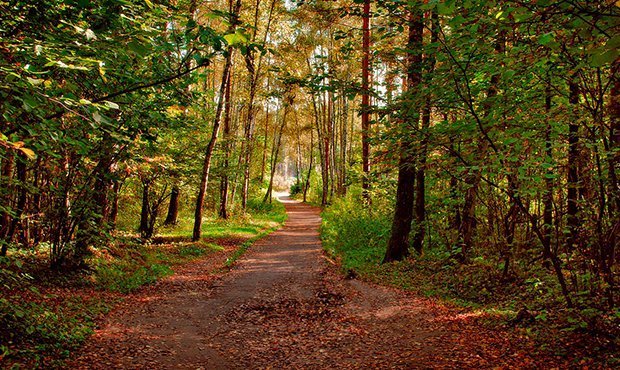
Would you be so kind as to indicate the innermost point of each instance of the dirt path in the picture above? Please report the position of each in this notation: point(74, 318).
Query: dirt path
point(284, 306)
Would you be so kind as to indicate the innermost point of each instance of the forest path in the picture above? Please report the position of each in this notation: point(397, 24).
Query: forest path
point(283, 306)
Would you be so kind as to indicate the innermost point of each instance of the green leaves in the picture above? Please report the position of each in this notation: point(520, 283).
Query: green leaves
point(545, 39)
point(600, 57)
point(446, 8)
point(236, 38)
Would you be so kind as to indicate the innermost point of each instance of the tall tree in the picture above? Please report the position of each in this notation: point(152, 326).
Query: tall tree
point(206, 167)
point(398, 245)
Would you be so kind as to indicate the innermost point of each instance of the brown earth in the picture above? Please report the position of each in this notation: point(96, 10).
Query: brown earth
point(285, 305)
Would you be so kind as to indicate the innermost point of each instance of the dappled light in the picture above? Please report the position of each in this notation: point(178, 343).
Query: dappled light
point(278, 184)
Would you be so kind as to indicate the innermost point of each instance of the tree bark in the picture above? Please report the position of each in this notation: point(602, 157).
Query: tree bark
point(223, 212)
point(276, 150)
point(573, 181)
point(253, 77)
point(366, 102)
point(548, 194)
point(172, 218)
point(144, 214)
point(206, 167)
point(398, 245)
point(307, 182)
point(116, 188)
point(420, 196)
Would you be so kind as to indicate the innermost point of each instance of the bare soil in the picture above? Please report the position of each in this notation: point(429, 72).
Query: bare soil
point(284, 305)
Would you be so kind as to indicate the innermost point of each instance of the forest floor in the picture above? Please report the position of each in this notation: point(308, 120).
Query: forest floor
point(285, 305)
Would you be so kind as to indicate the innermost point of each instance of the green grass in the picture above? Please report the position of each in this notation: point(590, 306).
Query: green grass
point(135, 265)
point(260, 217)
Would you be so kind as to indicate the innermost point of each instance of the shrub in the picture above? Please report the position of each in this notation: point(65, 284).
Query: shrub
point(295, 189)
point(355, 233)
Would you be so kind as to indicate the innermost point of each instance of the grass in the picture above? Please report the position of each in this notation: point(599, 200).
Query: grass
point(45, 315)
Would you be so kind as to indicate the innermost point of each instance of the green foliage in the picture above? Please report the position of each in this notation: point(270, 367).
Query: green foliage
point(192, 251)
point(357, 237)
point(262, 211)
point(296, 188)
point(10, 275)
point(355, 233)
point(124, 276)
point(54, 327)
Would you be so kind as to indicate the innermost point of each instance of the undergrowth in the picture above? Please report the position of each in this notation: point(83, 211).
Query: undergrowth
point(357, 237)
point(45, 314)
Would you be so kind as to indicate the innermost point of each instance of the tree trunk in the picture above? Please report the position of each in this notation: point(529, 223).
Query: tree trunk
point(253, 76)
point(608, 249)
point(116, 188)
point(420, 179)
point(206, 167)
point(366, 102)
point(223, 212)
point(398, 245)
point(20, 204)
point(265, 134)
point(420, 196)
point(573, 182)
point(144, 214)
point(172, 218)
point(307, 182)
point(276, 150)
point(474, 176)
point(6, 179)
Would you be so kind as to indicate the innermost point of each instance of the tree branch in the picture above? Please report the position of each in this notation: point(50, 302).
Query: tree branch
point(137, 87)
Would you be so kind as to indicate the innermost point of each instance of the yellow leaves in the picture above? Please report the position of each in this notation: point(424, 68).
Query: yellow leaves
point(28, 152)
point(235, 38)
point(176, 110)
point(18, 145)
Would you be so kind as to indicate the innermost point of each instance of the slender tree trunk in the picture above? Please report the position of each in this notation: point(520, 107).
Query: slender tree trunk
point(204, 178)
point(307, 182)
point(420, 181)
point(573, 181)
point(343, 142)
point(398, 245)
point(223, 212)
point(474, 176)
point(326, 156)
point(6, 182)
point(276, 150)
point(116, 188)
point(144, 214)
point(253, 76)
point(332, 140)
point(366, 102)
point(20, 205)
point(608, 252)
point(548, 194)
point(37, 232)
point(265, 134)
